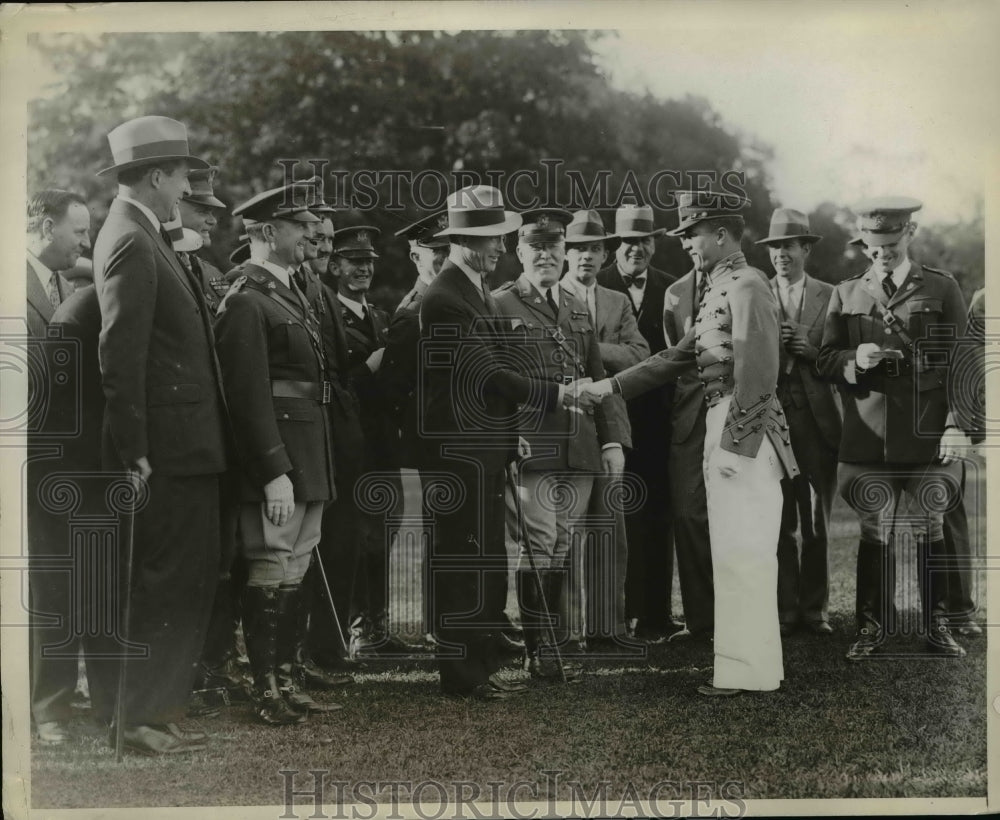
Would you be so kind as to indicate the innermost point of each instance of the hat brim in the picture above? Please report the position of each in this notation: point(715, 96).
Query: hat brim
point(611, 241)
point(356, 254)
point(512, 221)
point(877, 240)
point(205, 199)
point(640, 234)
point(193, 162)
point(240, 255)
point(807, 237)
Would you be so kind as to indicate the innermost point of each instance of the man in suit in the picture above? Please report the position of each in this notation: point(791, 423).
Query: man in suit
point(165, 421)
point(621, 345)
point(813, 416)
point(470, 391)
point(275, 372)
point(890, 333)
point(747, 449)
point(352, 265)
point(649, 529)
point(568, 449)
point(58, 232)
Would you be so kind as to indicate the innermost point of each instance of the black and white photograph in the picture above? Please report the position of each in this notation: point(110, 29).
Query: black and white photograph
point(498, 409)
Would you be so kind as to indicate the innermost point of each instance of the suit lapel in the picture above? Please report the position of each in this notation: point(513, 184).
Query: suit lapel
point(135, 215)
point(37, 296)
point(600, 312)
point(811, 305)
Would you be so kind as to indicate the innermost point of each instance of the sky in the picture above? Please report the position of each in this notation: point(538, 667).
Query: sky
point(856, 99)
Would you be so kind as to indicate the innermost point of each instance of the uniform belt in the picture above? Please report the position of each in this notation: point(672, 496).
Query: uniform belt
point(313, 391)
point(897, 367)
point(560, 379)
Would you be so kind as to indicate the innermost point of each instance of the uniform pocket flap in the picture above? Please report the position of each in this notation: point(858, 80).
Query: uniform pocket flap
point(173, 394)
point(295, 410)
point(926, 306)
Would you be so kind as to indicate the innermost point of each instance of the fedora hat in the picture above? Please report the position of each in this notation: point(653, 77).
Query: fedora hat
point(587, 226)
point(787, 223)
point(202, 190)
point(881, 221)
point(633, 221)
point(477, 210)
point(148, 140)
point(697, 206)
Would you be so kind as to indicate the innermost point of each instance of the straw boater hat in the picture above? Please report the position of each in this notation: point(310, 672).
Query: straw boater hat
point(697, 206)
point(478, 211)
point(787, 223)
point(587, 226)
point(147, 140)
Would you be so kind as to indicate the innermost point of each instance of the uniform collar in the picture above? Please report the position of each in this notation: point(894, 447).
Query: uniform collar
point(899, 274)
point(357, 308)
point(283, 275)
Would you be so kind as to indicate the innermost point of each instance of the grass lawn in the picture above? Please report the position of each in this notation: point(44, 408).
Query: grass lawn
point(907, 727)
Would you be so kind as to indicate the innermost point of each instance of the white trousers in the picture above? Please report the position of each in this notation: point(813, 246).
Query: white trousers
point(744, 516)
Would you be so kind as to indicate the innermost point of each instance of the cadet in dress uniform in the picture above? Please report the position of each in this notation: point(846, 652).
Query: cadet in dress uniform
point(814, 419)
point(568, 449)
point(889, 336)
point(600, 603)
point(353, 266)
point(650, 528)
point(275, 374)
point(747, 447)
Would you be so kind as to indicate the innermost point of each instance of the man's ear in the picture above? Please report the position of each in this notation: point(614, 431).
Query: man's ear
point(46, 229)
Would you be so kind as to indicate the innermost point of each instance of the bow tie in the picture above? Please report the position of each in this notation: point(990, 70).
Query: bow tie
point(638, 282)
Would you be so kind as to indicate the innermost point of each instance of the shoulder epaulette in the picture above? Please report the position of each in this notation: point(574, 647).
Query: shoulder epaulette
point(234, 288)
point(939, 271)
point(856, 276)
point(504, 287)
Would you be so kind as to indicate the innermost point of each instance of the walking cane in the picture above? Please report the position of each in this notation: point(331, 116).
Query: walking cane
point(129, 533)
point(329, 598)
point(523, 533)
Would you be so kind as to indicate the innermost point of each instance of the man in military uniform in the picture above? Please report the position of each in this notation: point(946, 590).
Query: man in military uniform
point(649, 528)
point(198, 212)
point(275, 374)
point(747, 448)
point(352, 264)
point(813, 416)
point(889, 336)
point(621, 345)
point(568, 449)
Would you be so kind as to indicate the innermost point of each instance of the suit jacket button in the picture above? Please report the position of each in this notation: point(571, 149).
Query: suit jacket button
point(284, 415)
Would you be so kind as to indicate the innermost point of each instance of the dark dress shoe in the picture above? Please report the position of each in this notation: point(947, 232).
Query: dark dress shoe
point(506, 686)
point(51, 733)
point(967, 629)
point(152, 741)
point(299, 701)
point(199, 707)
point(940, 642)
point(710, 691)
point(819, 627)
point(186, 734)
point(487, 691)
point(310, 675)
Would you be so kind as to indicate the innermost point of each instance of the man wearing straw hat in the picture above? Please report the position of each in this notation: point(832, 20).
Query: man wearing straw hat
point(621, 345)
point(470, 388)
point(650, 528)
point(814, 419)
point(164, 420)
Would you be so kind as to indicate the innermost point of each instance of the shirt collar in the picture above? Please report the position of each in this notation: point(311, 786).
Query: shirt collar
point(41, 271)
point(630, 279)
point(900, 273)
point(153, 220)
point(357, 308)
point(476, 278)
point(576, 286)
point(283, 275)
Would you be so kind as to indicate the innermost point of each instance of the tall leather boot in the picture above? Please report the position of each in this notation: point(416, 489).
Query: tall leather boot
point(260, 630)
point(289, 639)
point(217, 668)
point(305, 671)
point(934, 600)
point(870, 599)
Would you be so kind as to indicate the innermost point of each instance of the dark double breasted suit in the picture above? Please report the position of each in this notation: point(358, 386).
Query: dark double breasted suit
point(469, 392)
point(164, 402)
point(650, 539)
point(813, 413)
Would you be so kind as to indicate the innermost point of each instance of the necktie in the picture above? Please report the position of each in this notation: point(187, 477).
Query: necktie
point(786, 302)
point(551, 302)
point(888, 286)
point(53, 290)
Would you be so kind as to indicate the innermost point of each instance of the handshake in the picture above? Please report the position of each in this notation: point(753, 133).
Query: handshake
point(585, 394)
